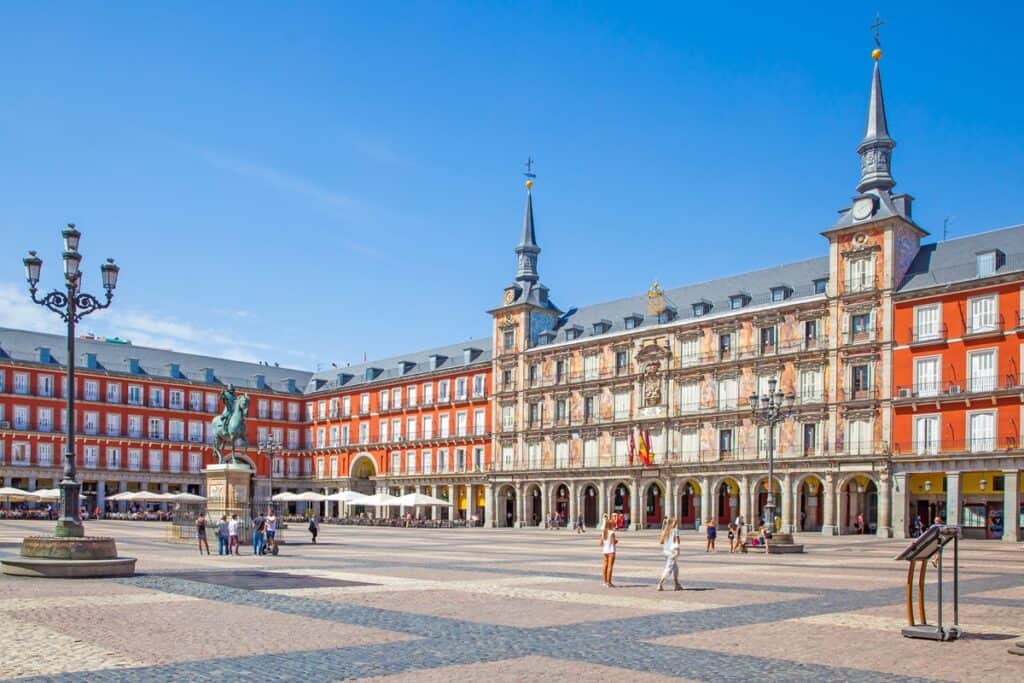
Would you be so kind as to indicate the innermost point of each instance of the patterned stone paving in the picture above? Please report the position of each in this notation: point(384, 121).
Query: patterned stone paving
point(501, 605)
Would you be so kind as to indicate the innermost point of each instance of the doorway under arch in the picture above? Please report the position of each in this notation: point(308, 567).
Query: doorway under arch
point(811, 505)
point(590, 506)
point(654, 507)
point(689, 504)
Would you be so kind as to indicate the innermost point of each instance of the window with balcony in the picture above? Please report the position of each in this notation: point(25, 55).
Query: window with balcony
point(562, 454)
point(176, 430)
point(91, 423)
point(262, 408)
point(396, 430)
point(858, 437)
point(410, 396)
point(981, 370)
point(213, 401)
point(319, 468)
point(768, 340)
point(321, 410)
point(44, 419)
point(334, 468)
point(91, 457)
point(689, 351)
point(811, 386)
point(860, 274)
point(460, 388)
point(135, 426)
point(442, 460)
point(21, 454)
point(176, 399)
point(479, 386)
point(508, 340)
point(277, 409)
point(410, 462)
point(174, 461)
point(927, 320)
point(725, 442)
point(561, 371)
point(384, 400)
point(45, 385)
point(195, 462)
point(620, 452)
point(982, 315)
point(479, 422)
point(861, 328)
point(689, 397)
point(443, 391)
point(156, 397)
point(44, 453)
point(810, 438)
point(335, 437)
point(156, 428)
point(293, 439)
point(535, 414)
point(21, 383)
point(114, 458)
point(364, 433)
point(728, 394)
point(195, 431)
point(321, 438)
point(461, 428)
point(135, 459)
point(927, 381)
point(725, 346)
point(195, 400)
point(621, 362)
point(926, 434)
point(508, 419)
point(346, 406)
point(621, 405)
point(410, 428)
point(156, 461)
point(860, 382)
point(293, 467)
point(364, 403)
point(589, 412)
point(428, 393)
point(810, 334)
point(428, 461)
point(981, 430)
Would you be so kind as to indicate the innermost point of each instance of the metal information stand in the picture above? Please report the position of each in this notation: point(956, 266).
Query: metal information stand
point(918, 553)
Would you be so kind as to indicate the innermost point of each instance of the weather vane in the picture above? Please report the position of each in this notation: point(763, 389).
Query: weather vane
point(877, 25)
point(529, 168)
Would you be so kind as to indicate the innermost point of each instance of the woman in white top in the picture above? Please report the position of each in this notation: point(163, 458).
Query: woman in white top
point(670, 545)
point(608, 543)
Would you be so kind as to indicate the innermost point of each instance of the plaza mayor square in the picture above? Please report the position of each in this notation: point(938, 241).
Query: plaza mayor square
point(426, 342)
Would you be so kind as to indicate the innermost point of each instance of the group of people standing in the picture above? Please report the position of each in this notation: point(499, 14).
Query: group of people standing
point(264, 533)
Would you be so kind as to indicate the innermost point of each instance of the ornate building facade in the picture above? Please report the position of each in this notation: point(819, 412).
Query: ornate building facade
point(902, 360)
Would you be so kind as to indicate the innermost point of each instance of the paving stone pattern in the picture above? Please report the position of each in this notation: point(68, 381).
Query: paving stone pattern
point(398, 604)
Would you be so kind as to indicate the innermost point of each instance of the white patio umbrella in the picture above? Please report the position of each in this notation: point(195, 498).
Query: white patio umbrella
point(123, 496)
point(151, 497)
point(9, 493)
point(187, 498)
point(46, 494)
point(310, 497)
point(419, 499)
point(379, 499)
point(284, 497)
point(348, 497)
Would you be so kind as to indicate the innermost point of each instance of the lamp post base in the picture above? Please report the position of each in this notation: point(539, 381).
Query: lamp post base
point(69, 528)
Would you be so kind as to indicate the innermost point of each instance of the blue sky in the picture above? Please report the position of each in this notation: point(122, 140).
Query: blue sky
point(303, 183)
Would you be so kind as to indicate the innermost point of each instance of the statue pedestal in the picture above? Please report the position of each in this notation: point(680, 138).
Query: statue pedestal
point(227, 493)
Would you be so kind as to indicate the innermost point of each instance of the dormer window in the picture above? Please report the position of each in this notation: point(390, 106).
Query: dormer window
point(667, 315)
point(602, 326)
point(573, 332)
point(820, 284)
point(737, 301)
point(780, 292)
point(546, 337)
point(987, 262)
point(702, 307)
point(633, 321)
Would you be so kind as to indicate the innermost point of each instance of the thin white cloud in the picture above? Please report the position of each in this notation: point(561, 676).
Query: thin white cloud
point(18, 311)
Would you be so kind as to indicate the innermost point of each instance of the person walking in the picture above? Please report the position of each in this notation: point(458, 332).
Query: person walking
point(712, 533)
point(259, 534)
point(233, 535)
point(732, 537)
point(222, 536)
point(670, 545)
point(608, 543)
point(580, 527)
point(201, 533)
point(271, 530)
point(314, 527)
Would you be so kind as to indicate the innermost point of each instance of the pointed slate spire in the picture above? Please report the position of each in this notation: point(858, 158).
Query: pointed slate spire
point(527, 251)
point(875, 149)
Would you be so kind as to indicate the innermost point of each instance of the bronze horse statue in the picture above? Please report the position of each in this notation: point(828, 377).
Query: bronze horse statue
point(229, 429)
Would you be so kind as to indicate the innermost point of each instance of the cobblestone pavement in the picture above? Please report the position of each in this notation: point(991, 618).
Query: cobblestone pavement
point(502, 605)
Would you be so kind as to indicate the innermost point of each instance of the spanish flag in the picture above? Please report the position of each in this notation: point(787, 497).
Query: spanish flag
point(644, 449)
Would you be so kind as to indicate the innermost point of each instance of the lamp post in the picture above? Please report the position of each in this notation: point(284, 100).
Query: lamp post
point(273, 447)
point(771, 409)
point(71, 304)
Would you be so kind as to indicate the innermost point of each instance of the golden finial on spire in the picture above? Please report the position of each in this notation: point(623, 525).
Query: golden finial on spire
point(655, 290)
point(530, 175)
point(529, 184)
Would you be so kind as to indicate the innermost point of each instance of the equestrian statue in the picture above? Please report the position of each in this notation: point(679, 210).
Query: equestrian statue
point(229, 427)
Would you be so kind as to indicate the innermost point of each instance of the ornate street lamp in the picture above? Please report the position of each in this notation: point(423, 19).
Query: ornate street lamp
point(71, 304)
point(771, 409)
point(271, 446)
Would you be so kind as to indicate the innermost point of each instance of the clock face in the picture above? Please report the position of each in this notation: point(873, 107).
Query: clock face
point(862, 208)
point(510, 296)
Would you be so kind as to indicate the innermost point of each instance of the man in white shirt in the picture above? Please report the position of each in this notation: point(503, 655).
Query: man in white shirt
point(233, 535)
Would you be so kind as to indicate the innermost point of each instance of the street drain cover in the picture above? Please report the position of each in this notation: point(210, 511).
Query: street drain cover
point(259, 580)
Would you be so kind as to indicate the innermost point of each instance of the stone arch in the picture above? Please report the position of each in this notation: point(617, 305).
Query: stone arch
point(725, 500)
point(533, 503)
point(560, 497)
point(505, 505)
point(759, 498)
point(809, 502)
point(588, 503)
point(620, 500)
point(653, 503)
point(688, 497)
point(361, 472)
point(856, 502)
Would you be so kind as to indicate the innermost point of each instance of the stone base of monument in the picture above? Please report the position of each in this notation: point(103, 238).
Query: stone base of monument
point(780, 544)
point(49, 557)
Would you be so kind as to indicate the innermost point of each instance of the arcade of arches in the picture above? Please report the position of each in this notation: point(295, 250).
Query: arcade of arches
point(855, 502)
